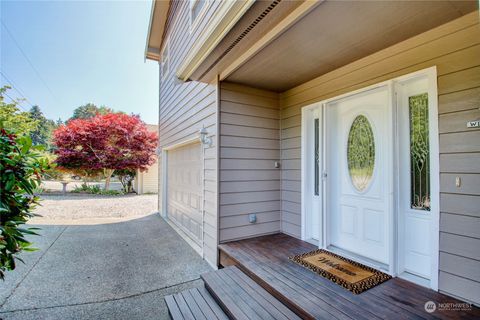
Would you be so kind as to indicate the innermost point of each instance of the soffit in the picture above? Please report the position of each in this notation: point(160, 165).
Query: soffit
point(336, 33)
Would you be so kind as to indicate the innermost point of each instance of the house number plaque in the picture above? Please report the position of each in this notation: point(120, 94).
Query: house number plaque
point(473, 124)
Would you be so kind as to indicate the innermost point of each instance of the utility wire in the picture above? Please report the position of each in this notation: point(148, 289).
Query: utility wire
point(16, 88)
point(7, 77)
point(28, 60)
point(16, 102)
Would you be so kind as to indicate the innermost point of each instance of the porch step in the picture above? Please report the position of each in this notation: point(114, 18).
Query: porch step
point(192, 304)
point(231, 295)
point(242, 298)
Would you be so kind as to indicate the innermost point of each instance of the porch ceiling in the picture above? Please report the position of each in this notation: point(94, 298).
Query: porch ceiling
point(339, 32)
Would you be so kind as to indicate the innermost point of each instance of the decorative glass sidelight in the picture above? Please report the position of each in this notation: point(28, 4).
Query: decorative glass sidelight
point(361, 153)
point(317, 157)
point(419, 152)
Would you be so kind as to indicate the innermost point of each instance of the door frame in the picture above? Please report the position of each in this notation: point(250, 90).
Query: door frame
point(394, 236)
point(306, 153)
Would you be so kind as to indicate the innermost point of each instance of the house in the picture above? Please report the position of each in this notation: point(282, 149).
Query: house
point(344, 125)
point(147, 181)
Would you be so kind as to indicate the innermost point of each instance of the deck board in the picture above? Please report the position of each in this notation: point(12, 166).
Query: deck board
point(194, 304)
point(242, 298)
point(265, 259)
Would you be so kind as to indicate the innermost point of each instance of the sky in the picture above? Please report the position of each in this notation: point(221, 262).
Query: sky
point(64, 54)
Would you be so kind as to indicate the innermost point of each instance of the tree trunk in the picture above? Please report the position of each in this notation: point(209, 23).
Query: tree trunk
point(85, 181)
point(108, 174)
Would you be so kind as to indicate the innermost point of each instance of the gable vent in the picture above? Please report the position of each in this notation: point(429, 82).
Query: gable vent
point(244, 34)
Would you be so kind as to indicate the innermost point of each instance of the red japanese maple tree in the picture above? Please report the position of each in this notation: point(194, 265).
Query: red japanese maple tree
point(109, 142)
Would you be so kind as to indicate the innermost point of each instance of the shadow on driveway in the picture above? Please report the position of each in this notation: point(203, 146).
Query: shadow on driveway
point(106, 271)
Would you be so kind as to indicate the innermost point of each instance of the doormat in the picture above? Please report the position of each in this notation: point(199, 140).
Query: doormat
point(349, 274)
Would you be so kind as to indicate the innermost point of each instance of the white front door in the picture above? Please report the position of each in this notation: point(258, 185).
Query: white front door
point(359, 184)
point(370, 176)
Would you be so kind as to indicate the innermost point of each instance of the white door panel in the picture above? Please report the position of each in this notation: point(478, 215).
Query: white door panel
point(359, 207)
point(184, 189)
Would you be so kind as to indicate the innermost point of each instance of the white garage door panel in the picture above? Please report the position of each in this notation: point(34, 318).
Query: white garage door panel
point(184, 193)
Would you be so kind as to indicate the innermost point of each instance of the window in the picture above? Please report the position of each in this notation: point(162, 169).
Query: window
point(165, 59)
point(361, 153)
point(419, 152)
point(197, 8)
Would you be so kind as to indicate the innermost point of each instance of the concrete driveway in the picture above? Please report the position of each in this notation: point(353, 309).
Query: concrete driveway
point(100, 267)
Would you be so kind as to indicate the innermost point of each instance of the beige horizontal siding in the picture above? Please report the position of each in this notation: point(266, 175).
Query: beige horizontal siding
point(249, 147)
point(147, 181)
point(454, 48)
point(187, 107)
point(453, 264)
point(249, 231)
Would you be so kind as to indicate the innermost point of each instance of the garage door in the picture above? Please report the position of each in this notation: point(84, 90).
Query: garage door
point(184, 189)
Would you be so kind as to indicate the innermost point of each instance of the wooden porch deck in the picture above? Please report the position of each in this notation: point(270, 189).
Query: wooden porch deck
point(265, 260)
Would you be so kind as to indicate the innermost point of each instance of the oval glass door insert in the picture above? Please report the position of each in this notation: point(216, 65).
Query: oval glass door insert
point(361, 153)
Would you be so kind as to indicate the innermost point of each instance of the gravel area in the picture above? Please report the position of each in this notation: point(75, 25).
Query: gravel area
point(79, 208)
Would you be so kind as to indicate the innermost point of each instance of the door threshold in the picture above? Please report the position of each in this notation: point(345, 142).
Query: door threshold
point(415, 279)
point(361, 259)
point(313, 241)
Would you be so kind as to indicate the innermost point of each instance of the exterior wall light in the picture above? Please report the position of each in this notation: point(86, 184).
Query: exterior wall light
point(203, 137)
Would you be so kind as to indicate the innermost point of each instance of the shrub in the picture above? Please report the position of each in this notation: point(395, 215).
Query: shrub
point(96, 190)
point(21, 167)
point(84, 188)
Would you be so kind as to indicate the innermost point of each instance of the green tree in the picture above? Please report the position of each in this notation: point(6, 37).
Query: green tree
point(89, 110)
point(42, 134)
point(11, 117)
point(21, 167)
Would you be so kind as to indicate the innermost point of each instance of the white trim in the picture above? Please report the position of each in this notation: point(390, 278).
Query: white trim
point(147, 42)
point(393, 241)
point(181, 143)
point(303, 171)
point(217, 169)
point(203, 199)
point(158, 18)
point(225, 17)
point(164, 183)
point(434, 175)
